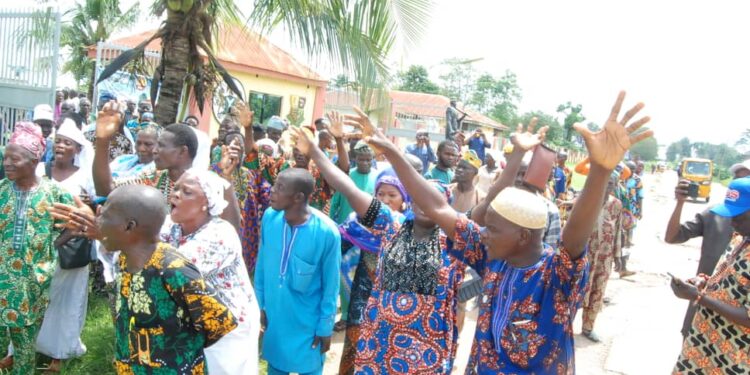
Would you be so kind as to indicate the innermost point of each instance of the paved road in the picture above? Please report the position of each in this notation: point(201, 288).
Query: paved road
point(641, 327)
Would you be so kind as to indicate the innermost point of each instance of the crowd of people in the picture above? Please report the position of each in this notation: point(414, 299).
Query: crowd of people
point(216, 254)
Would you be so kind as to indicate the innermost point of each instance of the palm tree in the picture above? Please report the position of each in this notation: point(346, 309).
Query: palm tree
point(356, 34)
point(89, 23)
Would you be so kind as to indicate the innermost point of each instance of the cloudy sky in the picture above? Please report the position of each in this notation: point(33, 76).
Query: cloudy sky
point(688, 60)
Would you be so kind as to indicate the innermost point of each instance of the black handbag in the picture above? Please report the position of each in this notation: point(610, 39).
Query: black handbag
point(74, 253)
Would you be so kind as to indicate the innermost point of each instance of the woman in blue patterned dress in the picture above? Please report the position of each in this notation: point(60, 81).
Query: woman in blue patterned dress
point(408, 323)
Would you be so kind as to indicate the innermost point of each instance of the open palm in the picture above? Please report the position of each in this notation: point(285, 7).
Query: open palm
point(303, 140)
point(108, 120)
point(374, 137)
point(337, 124)
point(607, 147)
point(527, 140)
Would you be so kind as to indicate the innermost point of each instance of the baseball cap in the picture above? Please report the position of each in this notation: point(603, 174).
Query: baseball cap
point(736, 167)
point(43, 112)
point(737, 201)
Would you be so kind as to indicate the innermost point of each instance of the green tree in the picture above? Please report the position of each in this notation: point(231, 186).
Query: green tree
point(416, 79)
point(572, 116)
point(680, 149)
point(459, 81)
point(646, 150)
point(356, 35)
point(497, 98)
point(84, 25)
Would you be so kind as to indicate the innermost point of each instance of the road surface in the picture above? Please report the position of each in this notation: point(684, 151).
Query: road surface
point(640, 328)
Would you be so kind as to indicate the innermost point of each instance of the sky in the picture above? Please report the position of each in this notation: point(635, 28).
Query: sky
point(687, 60)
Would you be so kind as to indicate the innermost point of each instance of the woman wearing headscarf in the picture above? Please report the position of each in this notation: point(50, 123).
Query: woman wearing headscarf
point(27, 235)
point(413, 297)
point(211, 243)
point(253, 194)
point(60, 335)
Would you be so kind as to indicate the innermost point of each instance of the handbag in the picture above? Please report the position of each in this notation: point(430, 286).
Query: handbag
point(73, 253)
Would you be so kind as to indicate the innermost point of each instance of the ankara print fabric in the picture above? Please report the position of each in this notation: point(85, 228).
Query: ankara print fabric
point(166, 315)
point(525, 323)
point(409, 326)
point(715, 345)
point(27, 252)
point(253, 194)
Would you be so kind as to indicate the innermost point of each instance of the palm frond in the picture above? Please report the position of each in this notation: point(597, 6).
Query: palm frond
point(357, 35)
point(125, 57)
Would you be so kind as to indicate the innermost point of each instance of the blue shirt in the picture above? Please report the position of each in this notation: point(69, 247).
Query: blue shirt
point(425, 154)
point(297, 283)
point(525, 323)
point(560, 181)
point(477, 144)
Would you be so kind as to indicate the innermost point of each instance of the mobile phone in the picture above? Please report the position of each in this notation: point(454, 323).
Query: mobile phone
point(540, 167)
point(670, 275)
point(693, 190)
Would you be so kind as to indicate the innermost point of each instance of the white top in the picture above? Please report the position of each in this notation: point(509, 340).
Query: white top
point(216, 251)
point(203, 156)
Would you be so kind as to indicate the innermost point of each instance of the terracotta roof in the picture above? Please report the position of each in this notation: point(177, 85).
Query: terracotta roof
point(240, 49)
point(431, 105)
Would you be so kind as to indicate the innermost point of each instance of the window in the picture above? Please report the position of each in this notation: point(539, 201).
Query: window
point(264, 106)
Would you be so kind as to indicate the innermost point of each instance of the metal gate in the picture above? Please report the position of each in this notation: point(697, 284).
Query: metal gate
point(124, 82)
point(29, 56)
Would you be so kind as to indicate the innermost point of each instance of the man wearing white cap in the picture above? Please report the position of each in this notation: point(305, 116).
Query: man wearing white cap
point(715, 230)
point(45, 119)
point(531, 293)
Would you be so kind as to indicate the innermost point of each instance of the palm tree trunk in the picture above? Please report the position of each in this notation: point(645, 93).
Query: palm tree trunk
point(175, 56)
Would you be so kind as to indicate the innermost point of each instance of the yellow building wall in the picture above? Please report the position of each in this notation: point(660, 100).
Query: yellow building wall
point(278, 87)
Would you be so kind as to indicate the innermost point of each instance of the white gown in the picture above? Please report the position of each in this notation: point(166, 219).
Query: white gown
point(60, 334)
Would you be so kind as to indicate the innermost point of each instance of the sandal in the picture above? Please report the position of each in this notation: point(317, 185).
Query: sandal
point(339, 326)
point(626, 273)
point(6, 362)
point(591, 336)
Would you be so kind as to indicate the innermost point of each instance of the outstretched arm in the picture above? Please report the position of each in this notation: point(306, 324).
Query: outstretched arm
point(107, 124)
point(606, 148)
point(522, 143)
point(427, 199)
point(338, 180)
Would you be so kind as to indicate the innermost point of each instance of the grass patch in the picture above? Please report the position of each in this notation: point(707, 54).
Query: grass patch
point(99, 338)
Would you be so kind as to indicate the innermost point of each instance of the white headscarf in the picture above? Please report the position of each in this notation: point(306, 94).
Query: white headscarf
point(213, 186)
point(270, 143)
point(85, 158)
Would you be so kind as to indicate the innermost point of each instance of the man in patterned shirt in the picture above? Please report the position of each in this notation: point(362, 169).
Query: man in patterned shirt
point(166, 313)
point(531, 293)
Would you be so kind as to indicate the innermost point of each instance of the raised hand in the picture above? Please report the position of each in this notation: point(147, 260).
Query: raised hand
point(527, 140)
point(337, 124)
point(608, 146)
point(231, 156)
point(303, 140)
point(246, 115)
point(108, 120)
point(372, 135)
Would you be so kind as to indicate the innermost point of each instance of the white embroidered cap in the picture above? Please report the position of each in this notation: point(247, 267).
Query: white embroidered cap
point(521, 207)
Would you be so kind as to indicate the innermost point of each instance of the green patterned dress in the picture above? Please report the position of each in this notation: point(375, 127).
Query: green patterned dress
point(27, 252)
